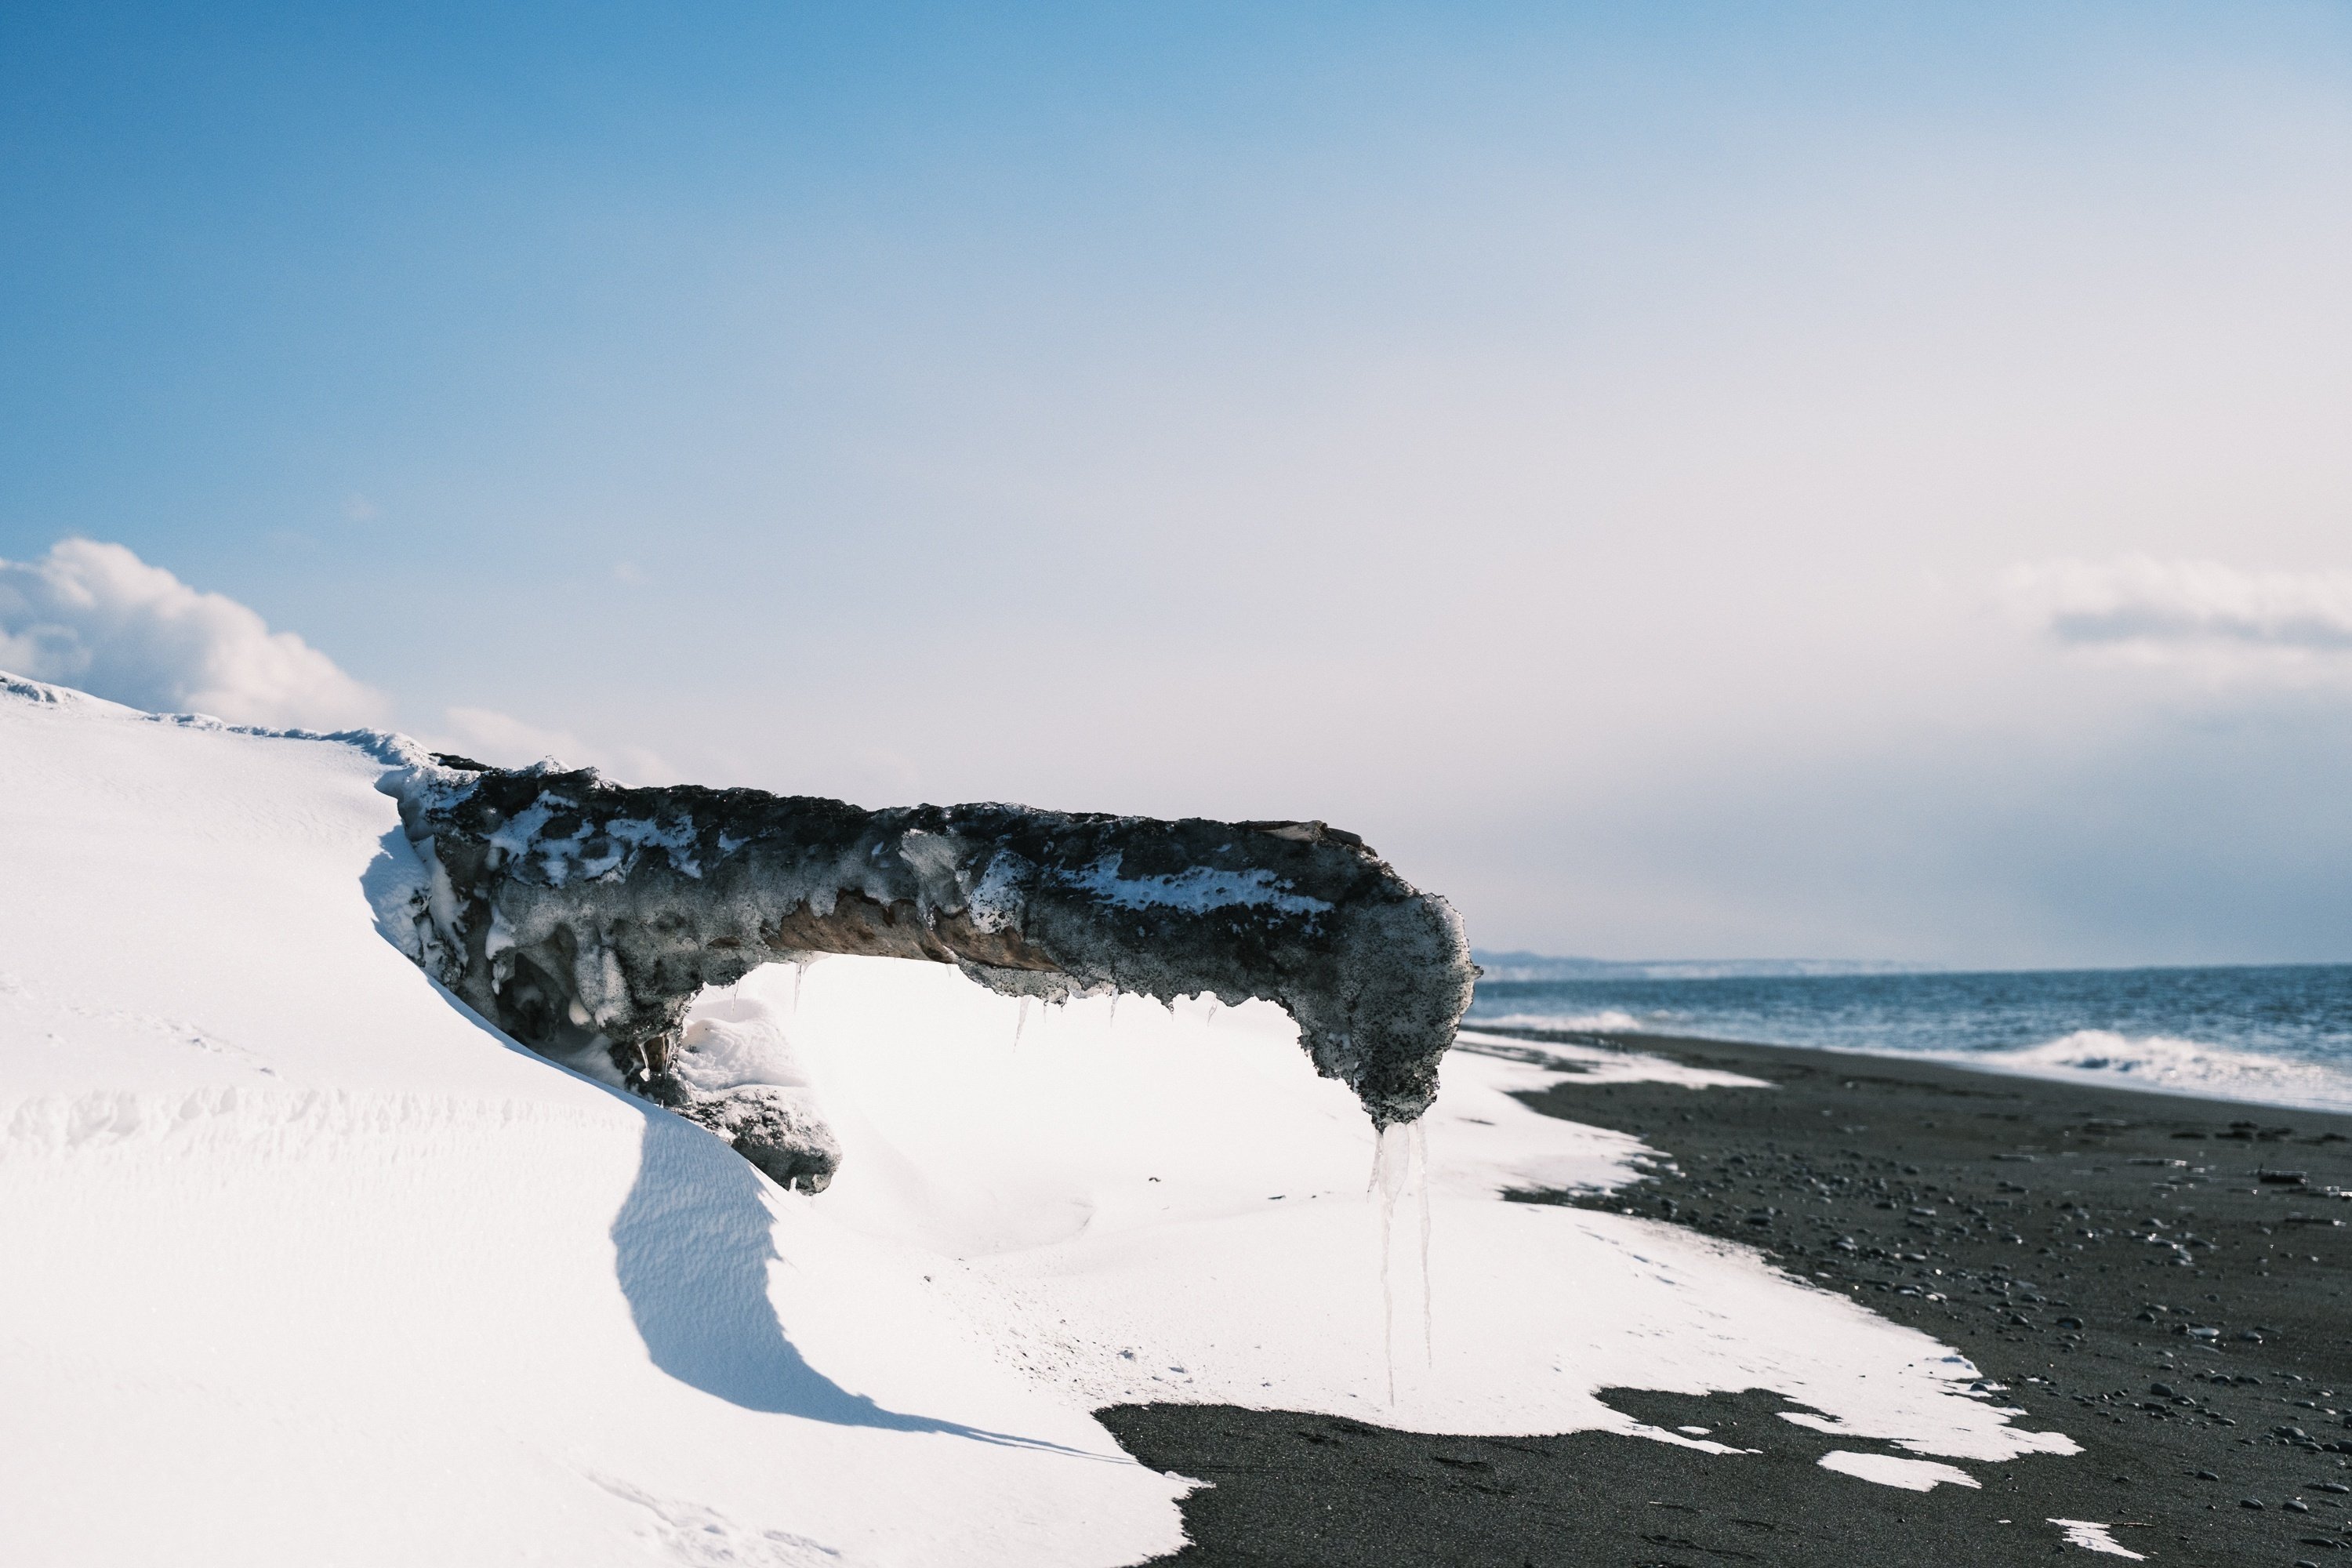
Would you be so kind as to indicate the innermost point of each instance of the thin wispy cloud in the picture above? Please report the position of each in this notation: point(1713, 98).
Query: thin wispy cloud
point(2186, 609)
point(95, 616)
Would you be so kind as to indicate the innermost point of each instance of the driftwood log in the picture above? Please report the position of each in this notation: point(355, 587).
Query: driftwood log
point(582, 917)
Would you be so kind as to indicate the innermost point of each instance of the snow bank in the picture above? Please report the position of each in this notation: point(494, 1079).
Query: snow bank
point(306, 1264)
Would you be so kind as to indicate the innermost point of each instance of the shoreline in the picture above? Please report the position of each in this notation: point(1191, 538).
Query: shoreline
point(1999, 1063)
point(2139, 1269)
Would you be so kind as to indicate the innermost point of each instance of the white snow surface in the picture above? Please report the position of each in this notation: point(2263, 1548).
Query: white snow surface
point(1606, 1064)
point(2090, 1535)
point(305, 1264)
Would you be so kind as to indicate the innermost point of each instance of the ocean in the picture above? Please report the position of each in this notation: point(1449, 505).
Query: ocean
point(2276, 1035)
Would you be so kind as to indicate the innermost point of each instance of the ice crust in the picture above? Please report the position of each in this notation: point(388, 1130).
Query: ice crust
point(585, 917)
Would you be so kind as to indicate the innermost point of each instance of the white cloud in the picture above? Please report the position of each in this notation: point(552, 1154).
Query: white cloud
point(95, 616)
point(2198, 610)
point(489, 736)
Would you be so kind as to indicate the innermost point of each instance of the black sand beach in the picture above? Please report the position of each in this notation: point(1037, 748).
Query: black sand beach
point(2164, 1279)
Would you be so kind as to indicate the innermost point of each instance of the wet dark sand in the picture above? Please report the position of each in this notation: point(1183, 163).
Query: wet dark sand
point(2163, 1279)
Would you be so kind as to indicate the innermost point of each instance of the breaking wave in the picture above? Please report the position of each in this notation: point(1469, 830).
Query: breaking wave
point(2172, 1065)
point(1608, 1021)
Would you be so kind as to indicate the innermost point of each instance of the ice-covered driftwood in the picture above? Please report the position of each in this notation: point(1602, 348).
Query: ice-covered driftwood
point(583, 916)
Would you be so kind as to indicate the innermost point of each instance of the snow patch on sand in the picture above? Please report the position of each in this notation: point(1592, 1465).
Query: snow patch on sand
point(2168, 1065)
point(1602, 1064)
point(2094, 1537)
point(1888, 1470)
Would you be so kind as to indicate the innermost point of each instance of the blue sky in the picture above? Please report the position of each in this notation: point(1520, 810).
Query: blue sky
point(1626, 461)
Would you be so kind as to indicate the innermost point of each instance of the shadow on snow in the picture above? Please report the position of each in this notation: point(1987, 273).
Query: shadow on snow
point(693, 1243)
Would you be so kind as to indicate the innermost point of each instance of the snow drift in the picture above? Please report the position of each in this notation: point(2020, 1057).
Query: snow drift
point(307, 1263)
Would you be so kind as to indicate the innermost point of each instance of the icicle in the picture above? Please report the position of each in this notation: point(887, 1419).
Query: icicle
point(1389, 1153)
point(800, 968)
point(1213, 1005)
point(1420, 1178)
point(1114, 1011)
point(1020, 1022)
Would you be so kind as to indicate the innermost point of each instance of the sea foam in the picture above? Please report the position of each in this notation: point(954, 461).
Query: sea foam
point(1608, 1021)
point(2173, 1066)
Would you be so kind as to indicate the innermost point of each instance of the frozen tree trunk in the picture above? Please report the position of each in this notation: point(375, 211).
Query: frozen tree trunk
point(582, 917)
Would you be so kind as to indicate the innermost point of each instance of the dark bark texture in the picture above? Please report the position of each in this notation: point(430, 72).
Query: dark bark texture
point(582, 917)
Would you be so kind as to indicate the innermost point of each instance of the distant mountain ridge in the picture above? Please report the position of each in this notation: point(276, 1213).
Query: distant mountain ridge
point(1510, 966)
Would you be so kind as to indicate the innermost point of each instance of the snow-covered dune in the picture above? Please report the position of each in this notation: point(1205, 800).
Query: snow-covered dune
point(304, 1263)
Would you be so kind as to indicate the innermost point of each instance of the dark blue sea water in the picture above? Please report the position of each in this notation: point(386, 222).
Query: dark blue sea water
point(2273, 1035)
